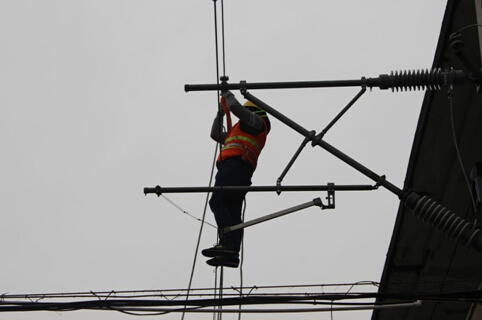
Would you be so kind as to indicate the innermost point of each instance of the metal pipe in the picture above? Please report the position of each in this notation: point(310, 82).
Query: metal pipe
point(340, 155)
point(314, 202)
point(278, 115)
point(348, 106)
point(293, 159)
point(404, 80)
point(160, 190)
point(280, 85)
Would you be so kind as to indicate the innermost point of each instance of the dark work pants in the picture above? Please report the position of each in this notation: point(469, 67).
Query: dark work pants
point(227, 206)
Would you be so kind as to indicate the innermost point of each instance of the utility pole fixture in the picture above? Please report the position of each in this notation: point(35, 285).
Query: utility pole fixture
point(426, 209)
point(433, 79)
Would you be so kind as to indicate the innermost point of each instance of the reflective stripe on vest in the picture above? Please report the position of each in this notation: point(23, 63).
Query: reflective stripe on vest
point(239, 143)
point(231, 140)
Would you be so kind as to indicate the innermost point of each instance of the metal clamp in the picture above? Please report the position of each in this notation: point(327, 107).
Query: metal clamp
point(380, 182)
point(224, 83)
point(364, 84)
point(242, 87)
point(330, 198)
point(316, 139)
point(157, 190)
point(278, 186)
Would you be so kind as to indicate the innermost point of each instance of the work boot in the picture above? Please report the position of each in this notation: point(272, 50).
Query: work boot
point(218, 250)
point(224, 261)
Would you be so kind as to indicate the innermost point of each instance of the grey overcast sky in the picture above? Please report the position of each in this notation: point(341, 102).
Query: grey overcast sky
point(93, 109)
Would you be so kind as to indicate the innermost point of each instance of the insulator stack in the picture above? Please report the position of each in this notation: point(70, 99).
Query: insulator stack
point(447, 222)
point(421, 79)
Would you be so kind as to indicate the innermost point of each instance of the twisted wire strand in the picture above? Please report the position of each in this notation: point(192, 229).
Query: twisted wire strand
point(460, 158)
point(173, 294)
point(185, 212)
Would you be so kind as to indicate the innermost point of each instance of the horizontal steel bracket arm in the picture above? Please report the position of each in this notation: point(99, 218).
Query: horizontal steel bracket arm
point(160, 190)
point(380, 180)
point(433, 79)
point(282, 85)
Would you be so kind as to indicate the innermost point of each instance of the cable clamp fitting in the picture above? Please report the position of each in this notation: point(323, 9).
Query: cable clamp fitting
point(330, 198)
point(278, 186)
point(364, 84)
point(308, 138)
point(380, 182)
point(315, 139)
point(242, 87)
point(158, 191)
point(224, 84)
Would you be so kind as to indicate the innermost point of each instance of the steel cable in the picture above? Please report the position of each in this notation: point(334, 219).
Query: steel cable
point(201, 229)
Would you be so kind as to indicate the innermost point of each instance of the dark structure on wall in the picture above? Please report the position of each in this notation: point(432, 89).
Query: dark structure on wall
point(421, 261)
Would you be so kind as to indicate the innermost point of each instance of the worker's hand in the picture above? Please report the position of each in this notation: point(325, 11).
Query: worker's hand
point(223, 107)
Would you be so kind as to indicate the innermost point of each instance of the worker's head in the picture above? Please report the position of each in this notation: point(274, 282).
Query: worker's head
point(259, 112)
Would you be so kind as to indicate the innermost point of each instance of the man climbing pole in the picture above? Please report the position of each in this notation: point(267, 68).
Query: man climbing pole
point(236, 163)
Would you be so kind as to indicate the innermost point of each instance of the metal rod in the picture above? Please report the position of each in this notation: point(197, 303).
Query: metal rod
point(160, 190)
point(278, 115)
point(283, 85)
point(340, 155)
point(348, 106)
point(433, 79)
point(293, 159)
point(314, 202)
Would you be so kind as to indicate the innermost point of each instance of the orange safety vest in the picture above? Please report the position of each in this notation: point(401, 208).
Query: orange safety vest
point(239, 143)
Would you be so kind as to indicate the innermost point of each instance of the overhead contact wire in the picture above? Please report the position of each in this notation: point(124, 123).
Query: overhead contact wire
point(222, 32)
point(220, 131)
point(201, 229)
point(217, 72)
point(219, 123)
